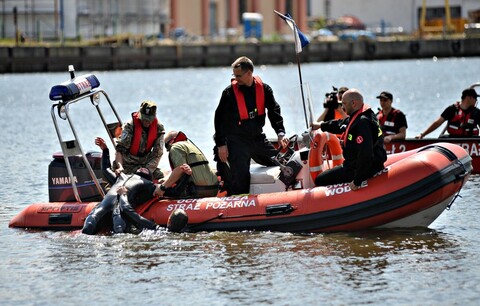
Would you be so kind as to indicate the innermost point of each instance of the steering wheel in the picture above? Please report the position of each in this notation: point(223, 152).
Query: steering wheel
point(283, 157)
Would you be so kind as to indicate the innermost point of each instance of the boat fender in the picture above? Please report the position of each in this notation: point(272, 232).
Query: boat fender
point(317, 147)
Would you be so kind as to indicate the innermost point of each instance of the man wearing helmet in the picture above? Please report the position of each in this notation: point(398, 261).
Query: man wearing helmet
point(141, 142)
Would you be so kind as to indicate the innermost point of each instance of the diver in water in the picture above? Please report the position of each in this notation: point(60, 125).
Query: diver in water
point(126, 194)
point(117, 202)
point(129, 191)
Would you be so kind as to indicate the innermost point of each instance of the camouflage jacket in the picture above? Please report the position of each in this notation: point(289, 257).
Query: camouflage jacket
point(150, 159)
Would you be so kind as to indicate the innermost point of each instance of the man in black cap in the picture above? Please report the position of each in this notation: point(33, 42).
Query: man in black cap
point(141, 143)
point(463, 117)
point(392, 121)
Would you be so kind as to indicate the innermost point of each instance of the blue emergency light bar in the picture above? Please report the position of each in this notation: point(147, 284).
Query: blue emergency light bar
point(73, 88)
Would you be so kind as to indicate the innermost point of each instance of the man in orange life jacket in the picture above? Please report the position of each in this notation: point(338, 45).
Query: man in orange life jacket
point(463, 117)
point(392, 121)
point(239, 120)
point(141, 143)
point(362, 143)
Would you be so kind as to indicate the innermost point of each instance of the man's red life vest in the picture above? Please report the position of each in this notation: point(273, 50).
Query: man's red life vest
point(388, 127)
point(462, 124)
point(259, 98)
point(137, 135)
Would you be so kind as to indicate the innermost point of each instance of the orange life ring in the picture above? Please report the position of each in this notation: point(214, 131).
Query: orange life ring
point(317, 148)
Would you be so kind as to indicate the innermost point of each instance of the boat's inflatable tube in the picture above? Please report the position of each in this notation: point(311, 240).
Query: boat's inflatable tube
point(412, 191)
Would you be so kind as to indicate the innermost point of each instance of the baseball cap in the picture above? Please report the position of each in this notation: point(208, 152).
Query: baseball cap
point(148, 110)
point(386, 95)
point(469, 92)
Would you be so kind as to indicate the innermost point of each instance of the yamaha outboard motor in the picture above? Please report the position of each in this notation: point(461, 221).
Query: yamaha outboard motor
point(59, 184)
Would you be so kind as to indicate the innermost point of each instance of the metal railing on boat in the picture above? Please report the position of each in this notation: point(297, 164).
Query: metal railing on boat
point(74, 147)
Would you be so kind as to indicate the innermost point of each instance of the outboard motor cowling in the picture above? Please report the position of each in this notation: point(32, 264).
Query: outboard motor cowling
point(59, 182)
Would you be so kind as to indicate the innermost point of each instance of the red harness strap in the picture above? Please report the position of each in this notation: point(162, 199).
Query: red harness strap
point(344, 136)
point(259, 98)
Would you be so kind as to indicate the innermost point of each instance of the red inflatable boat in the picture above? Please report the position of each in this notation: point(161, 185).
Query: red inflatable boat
point(412, 191)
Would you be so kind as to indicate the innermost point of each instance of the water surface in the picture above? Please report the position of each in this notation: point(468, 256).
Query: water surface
point(438, 266)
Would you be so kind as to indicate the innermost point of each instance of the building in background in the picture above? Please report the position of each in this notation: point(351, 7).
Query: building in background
point(95, 18)
point(208, 19)
point(82, 19)
point(224, 18)
point(395, 14)
point(87, 19)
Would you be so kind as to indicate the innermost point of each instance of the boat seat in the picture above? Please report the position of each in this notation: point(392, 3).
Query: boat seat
point(263, 175)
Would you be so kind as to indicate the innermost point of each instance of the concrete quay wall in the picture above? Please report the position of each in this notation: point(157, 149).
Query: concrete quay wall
point(53, 59)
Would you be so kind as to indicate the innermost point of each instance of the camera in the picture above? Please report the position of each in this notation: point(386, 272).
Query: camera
point(331, 100)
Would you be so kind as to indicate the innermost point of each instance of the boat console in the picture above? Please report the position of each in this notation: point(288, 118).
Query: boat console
point(292, 171)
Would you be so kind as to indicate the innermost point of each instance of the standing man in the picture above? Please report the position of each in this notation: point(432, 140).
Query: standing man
point(239, 120)
point(141, 142)
point(392, 121)
point(362, 143)
point(463, 117)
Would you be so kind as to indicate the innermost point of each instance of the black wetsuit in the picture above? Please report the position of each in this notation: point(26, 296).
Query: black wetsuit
point(107, 171)
point(139, 190)
point(119, 207)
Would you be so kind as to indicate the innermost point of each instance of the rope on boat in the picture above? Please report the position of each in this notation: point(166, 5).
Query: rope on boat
point(453, 200)
point(465, 172)
point(219, 216)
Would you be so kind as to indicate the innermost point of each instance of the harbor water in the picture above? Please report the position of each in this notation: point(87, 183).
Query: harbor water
point(436, 266)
